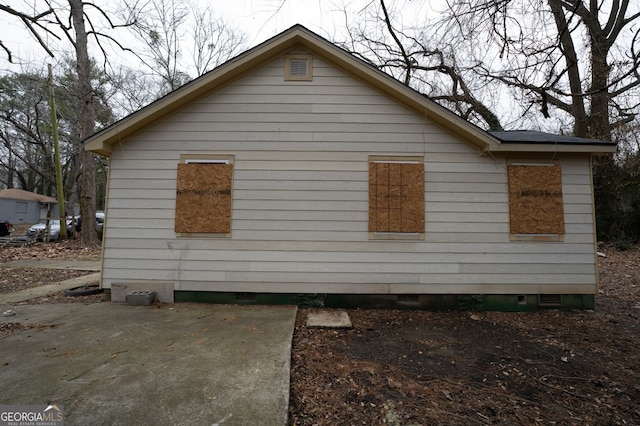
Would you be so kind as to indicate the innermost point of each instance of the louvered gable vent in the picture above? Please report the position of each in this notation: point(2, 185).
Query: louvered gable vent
point(298, 67)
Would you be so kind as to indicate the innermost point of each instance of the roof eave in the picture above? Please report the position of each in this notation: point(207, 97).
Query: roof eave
point(560, 147)
point(102, 142)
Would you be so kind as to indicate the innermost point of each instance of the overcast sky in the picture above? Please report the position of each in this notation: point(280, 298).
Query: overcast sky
point(258, 19)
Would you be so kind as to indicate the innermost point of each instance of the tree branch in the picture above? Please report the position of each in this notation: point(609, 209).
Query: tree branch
point(407, 59)
point(29, 21)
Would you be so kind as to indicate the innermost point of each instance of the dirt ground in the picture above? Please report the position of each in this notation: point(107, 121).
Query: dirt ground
point(463, 368)
point(447, 368)
point(15, 279)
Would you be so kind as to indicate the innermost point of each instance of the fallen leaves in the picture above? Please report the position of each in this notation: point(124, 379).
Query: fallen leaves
point(61, 250)
point(16, 279)
point(413, 367)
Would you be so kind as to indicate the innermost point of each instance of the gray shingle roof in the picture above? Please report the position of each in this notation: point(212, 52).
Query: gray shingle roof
point(530, 136)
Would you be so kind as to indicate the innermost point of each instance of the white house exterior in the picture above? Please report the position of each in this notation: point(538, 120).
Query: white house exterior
point(297, 173)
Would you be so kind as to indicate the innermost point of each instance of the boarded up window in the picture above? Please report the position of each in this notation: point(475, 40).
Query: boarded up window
point(535, 199)
point(203, 198)
point(396, 196)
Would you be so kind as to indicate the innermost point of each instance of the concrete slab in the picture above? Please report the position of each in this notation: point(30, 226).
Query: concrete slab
point(184, 364)
point(329, 319)
point(78, 265)
point(48, 289)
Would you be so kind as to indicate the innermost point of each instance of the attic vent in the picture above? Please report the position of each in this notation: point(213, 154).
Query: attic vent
point(549, 300)
point(298, 67)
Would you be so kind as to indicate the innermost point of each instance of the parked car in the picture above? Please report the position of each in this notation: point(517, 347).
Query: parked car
point(99, 222)
point(5, 228)
point(54, 233)
point(54, 230)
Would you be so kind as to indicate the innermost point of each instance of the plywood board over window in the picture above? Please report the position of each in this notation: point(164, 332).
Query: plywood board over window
point(203, 196)
point(535, 200)
point(396, 196)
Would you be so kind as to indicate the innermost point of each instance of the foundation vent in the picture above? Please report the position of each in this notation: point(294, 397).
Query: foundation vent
point(407, 298)
point(246, 296)
point(549, 300)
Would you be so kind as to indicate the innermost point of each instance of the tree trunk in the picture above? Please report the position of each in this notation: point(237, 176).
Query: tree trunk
point(72, 179)
point(578, 110)
point(88, 235)
point(599, 125)
point(607, 184)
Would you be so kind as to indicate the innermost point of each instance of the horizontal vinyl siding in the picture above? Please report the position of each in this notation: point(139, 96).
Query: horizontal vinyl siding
point(300, 201)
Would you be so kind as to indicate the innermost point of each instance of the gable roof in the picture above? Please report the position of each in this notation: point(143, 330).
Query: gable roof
point(22, 195)
point(299, 36)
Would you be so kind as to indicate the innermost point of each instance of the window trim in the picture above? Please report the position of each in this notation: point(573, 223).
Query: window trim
point(397, 159)
point(207, 158)
point(210, 159)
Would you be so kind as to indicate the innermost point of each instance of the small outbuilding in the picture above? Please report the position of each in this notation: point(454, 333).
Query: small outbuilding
point(297, 173)
point(20, 206)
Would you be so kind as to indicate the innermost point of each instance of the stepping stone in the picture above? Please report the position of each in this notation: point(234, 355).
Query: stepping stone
point(329, 319)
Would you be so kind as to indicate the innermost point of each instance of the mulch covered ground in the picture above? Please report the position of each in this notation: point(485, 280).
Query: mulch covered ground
point(464, 368)
point(448, 368)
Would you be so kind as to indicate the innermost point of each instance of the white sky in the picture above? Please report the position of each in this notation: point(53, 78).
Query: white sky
point(258, 19)
point(266, 18)
point(262, 19)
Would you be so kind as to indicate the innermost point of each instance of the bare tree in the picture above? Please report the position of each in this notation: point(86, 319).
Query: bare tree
point(74, 23)
point(161, 30)
point(87, 122)
point(575, 61)
point(415, 57)
point(214, 41)
point(33, 23)
point(579, 57)
point(133, 89)
point(83, 23)
point(170, 27)
point(26, 149)
point(25, 135)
